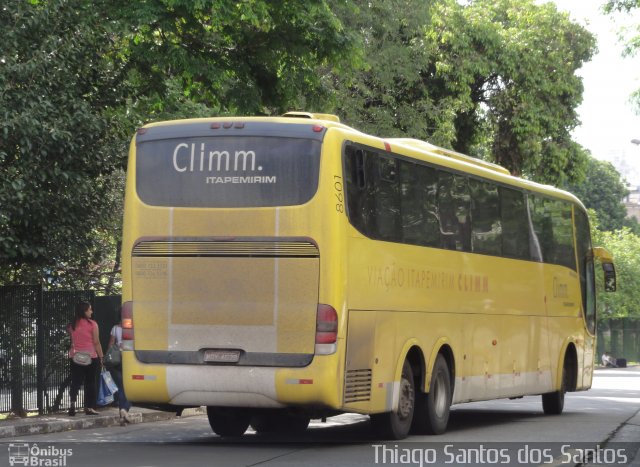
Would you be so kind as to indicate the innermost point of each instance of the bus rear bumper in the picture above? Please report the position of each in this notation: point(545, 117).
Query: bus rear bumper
point(232, 386)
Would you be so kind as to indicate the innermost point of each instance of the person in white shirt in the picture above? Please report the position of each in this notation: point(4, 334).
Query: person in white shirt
point(608, 360)
point(116, 372)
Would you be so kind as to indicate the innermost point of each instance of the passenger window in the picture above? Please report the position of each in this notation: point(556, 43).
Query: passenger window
point(420, 225)
point(553, 229)
point(515, 227)
point(453, 207)
point(387, 204)
point(486, 231)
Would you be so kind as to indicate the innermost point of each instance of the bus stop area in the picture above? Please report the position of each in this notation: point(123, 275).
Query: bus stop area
point(15, 427)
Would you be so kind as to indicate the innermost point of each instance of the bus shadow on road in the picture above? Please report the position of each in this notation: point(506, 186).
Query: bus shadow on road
point(356, 429)
point(466, 419)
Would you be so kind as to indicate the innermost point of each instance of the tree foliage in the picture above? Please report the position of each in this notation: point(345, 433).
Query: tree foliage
point(249, 57)
point(493, 79)
point(633, 42)
point(58, 149)
point(516, 61)
point(77, 76)
point(389, 94)
point(603, 191)
point(625, 302)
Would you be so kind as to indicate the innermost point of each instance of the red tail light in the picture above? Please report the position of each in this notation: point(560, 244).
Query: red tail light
point(326, 329)
point(126, 314)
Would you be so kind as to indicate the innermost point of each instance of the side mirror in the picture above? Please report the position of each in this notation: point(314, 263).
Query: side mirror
point(609, 277)
point(607, 266)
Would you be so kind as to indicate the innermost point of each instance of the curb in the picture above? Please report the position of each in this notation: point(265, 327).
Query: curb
point(60, 423)
point(627, 433)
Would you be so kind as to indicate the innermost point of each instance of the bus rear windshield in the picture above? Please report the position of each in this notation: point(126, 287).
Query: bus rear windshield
point(223, 171)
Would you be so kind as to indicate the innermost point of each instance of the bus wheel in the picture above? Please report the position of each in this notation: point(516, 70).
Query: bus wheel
point(553, 402)
point(432, 409)
point(228, 421)
point(280, 422)
point(396, 424)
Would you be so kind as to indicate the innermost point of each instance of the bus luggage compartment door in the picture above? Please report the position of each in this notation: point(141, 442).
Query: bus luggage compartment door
point(191, 306)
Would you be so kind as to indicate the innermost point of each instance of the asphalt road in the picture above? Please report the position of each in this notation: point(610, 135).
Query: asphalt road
point(488, 433)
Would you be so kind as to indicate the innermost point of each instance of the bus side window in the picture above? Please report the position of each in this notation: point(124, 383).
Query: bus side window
point(387, 200)
point(486, 230)
point(553, 227)
point(418, 184)
point(515, 226)
point(540, 228)
point(359, 189)
point(453, 207)
point(358, 168)
point(586, 272)
point(562, 227)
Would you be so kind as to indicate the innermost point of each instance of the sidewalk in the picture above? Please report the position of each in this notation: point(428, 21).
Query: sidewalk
point(629, 432)
point(109, 416)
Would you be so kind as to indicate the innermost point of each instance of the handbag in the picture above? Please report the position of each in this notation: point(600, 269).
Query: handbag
point(80, 357)
point(106, 389)
point(113, 357)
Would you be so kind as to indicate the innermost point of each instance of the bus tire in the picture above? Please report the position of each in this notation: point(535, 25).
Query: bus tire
point(432, 408)
point(396, 424)
point(279, 421)
point(553, 402)
point(228, 421)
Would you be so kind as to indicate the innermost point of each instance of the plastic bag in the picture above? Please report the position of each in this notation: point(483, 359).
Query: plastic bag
point(106, 389)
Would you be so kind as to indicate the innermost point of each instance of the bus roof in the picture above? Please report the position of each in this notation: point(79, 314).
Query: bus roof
point(433, 153)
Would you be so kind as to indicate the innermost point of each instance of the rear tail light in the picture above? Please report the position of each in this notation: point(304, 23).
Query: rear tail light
point(126, 314)
point(326, 329)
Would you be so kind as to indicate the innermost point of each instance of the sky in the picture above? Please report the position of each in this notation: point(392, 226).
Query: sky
point(609, 120)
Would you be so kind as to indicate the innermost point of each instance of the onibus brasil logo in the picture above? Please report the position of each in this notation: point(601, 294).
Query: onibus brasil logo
point(34, 455)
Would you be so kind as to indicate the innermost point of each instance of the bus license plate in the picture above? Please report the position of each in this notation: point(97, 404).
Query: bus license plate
point(222, 356)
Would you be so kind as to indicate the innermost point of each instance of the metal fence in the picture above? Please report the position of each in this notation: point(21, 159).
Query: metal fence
point(620, 337)
point(34, 345)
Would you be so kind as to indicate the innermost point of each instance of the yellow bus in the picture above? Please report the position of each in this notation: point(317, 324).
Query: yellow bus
point(281, 269)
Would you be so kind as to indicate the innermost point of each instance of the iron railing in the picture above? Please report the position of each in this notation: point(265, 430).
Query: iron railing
point(34, 345)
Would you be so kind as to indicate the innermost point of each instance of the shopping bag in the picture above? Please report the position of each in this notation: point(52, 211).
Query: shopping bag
point(106, 389)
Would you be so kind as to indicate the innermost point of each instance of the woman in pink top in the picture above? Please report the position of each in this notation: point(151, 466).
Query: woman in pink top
point(84, 337)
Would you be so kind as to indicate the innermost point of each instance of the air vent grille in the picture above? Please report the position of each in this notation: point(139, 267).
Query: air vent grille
point(357, 386)
point(266, 249)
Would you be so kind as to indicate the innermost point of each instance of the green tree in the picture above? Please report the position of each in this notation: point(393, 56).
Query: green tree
point(249, 57)
point(632, 224)
point(603, 191)
point(624, 247)
point(517, 62)
point(492, 79)
point(389, 95)
point(77, 77)
point(633, 40)
point(59, 149)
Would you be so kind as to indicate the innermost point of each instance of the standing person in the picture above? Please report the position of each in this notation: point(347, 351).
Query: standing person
point(116, 372)
point(84, 338)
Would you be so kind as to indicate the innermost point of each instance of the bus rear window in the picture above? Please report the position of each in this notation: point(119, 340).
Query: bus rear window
point(222, 171)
